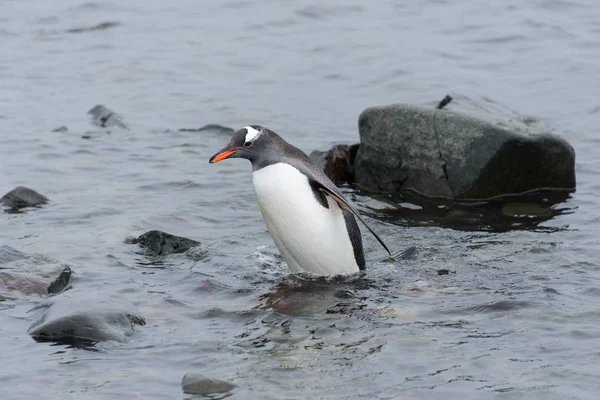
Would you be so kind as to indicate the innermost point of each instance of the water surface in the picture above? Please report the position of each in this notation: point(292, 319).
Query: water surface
point(517, 316)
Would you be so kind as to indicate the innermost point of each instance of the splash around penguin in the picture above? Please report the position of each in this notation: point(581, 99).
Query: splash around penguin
point(312, 224)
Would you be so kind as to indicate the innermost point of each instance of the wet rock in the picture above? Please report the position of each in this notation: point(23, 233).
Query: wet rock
point(441, 153)
point(79, 316)
point(202, 385)
point(443, 271)
point(62, 282)
point(106, 118)
point(22, 275)
point(210, 127)
point(444, 102)
point(21, 197)
point(61, 129)
point(16, 284)
point(99, 27)
point(337, 163)
point(163, 243)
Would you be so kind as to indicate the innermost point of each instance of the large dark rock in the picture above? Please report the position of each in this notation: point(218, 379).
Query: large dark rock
point(440, 153)
point(80, 316)
point(337, 163)
point(21, 197)
point(162, 243)
point(199, 384)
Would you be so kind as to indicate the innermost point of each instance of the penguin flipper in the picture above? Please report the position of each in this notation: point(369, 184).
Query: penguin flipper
point(344, 204)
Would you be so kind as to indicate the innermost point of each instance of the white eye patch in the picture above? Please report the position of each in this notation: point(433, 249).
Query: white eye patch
point(252, 134)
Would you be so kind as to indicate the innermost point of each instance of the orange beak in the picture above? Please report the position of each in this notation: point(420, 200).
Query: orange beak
point(222, 155)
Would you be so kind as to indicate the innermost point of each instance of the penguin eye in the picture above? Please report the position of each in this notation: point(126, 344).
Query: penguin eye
point(247, 144)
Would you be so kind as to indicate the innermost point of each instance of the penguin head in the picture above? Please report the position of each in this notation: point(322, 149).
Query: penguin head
point(252, 142)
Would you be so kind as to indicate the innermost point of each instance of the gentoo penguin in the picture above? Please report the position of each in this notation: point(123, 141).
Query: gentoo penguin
point(311, 222)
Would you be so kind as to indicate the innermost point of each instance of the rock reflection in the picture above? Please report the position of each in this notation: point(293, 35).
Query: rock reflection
point(525, 212)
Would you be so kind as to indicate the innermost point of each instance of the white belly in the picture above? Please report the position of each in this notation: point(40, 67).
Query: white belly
point(310, 237)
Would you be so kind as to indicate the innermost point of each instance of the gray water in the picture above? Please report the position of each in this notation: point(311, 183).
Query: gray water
point(518, 318)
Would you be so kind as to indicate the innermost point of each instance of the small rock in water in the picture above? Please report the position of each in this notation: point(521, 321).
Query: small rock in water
point(163, 243)
point(199, 384)
point(210, 127)
point(445, 271)
point(106, 118)
point(445, 101)
point(337, 163)
point(23, 275)
point(78, 316)
point(61, 129)
point(61, 283)
point(21, 197)
point(99, 27)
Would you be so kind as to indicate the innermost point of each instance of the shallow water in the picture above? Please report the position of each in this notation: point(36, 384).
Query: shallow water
point(517, 316)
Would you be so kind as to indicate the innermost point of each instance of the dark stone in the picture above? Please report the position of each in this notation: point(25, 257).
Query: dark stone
point(61, 283)
point(106, 118)
point(445, 101)
point(21, 197)
point(80, 316)
point(440, 153)
point(443, 271)
point(99, 27)
point(199, 384)
point(337, 163)
point(163, 243)
point(61, 129)
point(210, 127)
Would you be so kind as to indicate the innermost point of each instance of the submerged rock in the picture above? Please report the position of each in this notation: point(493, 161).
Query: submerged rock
point(26, 280)
point(163, 243)
point(210, 127)
point(106, 118)
point(337, 163)
point(98, 27)
point(80, 316)
point(23, 275)
point(21, 197)
point(62, 128)
point(439, 153)
point(199, 384)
